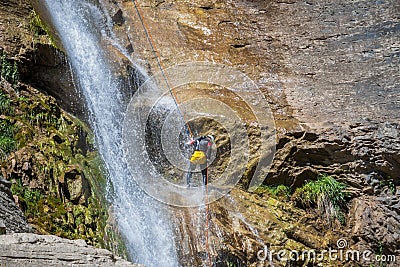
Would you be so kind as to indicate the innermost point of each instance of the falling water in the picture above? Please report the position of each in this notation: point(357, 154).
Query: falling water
point(83, 31)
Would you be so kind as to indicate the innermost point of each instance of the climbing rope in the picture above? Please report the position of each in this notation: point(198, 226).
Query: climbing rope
point(207, 225)
point(157, 57)
point(189, 131)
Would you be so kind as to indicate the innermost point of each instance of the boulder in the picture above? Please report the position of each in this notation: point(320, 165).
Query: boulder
point(24, 249)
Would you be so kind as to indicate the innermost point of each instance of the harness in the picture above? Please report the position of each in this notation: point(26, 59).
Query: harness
point(202, 144)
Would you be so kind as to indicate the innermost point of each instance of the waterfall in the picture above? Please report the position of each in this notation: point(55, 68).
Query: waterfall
point(82, 28)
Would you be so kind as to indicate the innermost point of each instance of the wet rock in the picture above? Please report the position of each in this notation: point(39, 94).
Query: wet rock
point(48, 68)
point(118, 18)
point(40, 62)
point(16, 41)
point(45, 250)
point(329, 73)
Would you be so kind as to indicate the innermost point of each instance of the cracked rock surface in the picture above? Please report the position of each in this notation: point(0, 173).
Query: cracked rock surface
point(39, 250)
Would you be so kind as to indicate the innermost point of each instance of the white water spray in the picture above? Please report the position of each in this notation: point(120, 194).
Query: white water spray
point(81, 26)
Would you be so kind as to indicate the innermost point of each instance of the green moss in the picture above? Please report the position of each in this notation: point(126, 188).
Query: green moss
point(28, 198)
point(58, 171)
point(38, 28)
point(281, 191)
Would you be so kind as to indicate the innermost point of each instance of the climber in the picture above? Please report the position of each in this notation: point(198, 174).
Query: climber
point(201, 155)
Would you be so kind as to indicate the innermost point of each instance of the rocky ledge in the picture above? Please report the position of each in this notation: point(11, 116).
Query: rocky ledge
point(47, 250)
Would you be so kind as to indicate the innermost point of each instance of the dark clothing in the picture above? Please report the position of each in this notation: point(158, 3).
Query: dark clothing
point(203, 168)
point(203, 143)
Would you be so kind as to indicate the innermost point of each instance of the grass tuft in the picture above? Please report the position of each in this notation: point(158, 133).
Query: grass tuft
point(327, 194)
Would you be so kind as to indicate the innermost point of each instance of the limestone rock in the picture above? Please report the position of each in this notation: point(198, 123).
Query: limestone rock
point(10, 214)
point(45, 250)
point(2, 228)
point(329, 70)
point(376, 221)
point(330, 73)
point(40, 63)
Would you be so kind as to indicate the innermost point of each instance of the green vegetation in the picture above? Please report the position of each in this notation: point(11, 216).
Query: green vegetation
point(38, 28)
point(36, 25)
point(50, 214)
point(56, 175)
point(28, 198)
point(392, 186)
point(230, 264)
point(379, 254)
point(327, 194)
point(7, 139)
point(41, 113)
point(281, 191)
point(389, 182)
point(5, 104)
point(9, 70)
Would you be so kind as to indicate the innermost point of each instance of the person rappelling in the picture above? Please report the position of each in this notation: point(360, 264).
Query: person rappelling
point(201, 155)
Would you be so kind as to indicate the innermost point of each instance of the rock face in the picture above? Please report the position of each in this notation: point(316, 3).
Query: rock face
point(10, 214)
point(329, 70)
point(376, 221)
point(330, 73)
point(360, 153)
point(45, 153)
point(24, 37)
point(41, 250)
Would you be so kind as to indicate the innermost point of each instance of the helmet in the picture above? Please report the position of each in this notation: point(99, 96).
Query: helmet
point(211, 138)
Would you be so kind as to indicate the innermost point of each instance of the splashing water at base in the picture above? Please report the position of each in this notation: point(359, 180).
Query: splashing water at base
point(82, 29)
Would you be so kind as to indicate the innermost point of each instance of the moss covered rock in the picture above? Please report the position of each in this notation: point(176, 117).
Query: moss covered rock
point(57, 176)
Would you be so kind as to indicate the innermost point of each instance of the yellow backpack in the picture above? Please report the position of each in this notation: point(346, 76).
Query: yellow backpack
point(198, 157)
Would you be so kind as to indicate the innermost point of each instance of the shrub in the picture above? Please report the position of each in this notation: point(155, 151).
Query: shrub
point(327, 194)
